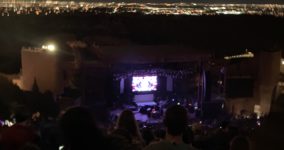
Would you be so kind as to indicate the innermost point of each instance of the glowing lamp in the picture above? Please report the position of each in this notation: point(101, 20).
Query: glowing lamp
point(49, 47)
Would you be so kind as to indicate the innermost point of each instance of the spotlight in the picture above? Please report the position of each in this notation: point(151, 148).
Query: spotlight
point(49, 47)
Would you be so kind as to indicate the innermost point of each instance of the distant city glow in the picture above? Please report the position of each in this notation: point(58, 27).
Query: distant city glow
point(45, 8)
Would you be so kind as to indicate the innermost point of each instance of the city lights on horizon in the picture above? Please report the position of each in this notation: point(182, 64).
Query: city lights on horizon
point(57, 7)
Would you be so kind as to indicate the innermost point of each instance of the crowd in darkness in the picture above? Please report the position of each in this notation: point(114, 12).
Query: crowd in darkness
point(77, 129)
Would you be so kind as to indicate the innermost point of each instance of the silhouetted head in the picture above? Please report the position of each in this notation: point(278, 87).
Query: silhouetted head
point(176, 120)
point(79, 129)
point(30, 146)
point(271, 131)
point(127, 121)
point(240, 143)
point(148, 135)
point(160, 133)
point(122, 133)
point(188, 136)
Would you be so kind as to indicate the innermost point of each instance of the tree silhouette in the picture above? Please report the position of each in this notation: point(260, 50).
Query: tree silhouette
point(10, 96)
point(35, 87)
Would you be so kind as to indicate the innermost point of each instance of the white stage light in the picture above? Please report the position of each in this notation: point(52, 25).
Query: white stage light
point(51, 47)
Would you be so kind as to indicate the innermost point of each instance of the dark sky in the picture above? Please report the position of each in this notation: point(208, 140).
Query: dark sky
point(198, 1)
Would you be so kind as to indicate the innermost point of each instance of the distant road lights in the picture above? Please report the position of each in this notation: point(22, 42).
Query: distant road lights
point(247, 54)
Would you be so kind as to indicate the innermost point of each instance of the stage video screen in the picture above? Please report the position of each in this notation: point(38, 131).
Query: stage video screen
point(144, 83)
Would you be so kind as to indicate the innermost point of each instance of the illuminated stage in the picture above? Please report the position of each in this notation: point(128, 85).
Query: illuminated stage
point(149, 89)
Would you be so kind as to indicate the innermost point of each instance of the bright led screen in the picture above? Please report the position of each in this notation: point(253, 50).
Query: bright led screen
point(144, 83)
